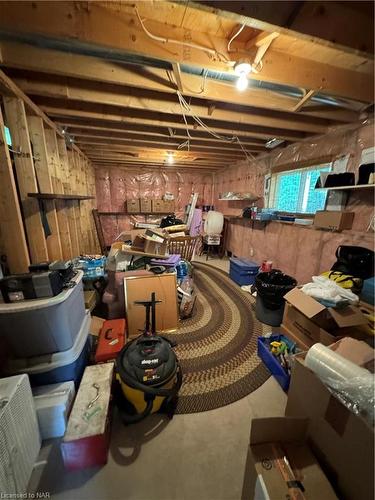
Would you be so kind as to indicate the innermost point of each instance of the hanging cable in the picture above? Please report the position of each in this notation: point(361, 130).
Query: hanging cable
point(179, 42)
point(186, 107)
point(233, 37)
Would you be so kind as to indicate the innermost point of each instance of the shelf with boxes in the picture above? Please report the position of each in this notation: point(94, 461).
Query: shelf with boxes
point(149, 206)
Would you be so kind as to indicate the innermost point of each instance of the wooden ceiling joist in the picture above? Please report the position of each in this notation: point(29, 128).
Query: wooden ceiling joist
point(72, 123)
point(61, 108)
point(53, 62)
point(102, 26)
point(135, 99)
point(146, 141)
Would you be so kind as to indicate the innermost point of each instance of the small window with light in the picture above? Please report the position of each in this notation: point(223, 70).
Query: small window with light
point(294, 190)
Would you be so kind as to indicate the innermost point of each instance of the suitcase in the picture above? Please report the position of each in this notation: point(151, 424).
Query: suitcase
point(86, 440)
point(111, 340)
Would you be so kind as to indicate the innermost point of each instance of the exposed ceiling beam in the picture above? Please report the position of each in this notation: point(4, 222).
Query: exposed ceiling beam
point(136, 139)
point(92, 147)
point(113, 113)
point(73, 123)
point(104, 143)
point(344, 23)
point(130, 98)
point(100, 27)
point(53, 62)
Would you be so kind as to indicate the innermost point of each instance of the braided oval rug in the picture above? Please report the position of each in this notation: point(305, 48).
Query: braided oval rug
point(217, 347)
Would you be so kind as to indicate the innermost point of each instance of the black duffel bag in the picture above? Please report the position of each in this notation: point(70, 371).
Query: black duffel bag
point(355, 261)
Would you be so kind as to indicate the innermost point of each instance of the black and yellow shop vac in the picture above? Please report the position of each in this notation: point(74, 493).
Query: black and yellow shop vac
point(148, 372)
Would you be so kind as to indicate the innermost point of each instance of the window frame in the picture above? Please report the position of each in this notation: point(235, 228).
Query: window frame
point(273, 187)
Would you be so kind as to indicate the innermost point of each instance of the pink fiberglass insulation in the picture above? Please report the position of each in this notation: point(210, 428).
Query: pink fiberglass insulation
point(115, 185)
point(298, 250)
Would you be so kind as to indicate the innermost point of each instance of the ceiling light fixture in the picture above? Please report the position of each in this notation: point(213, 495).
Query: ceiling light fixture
point(273, 143)
point(170, 158)
point(242, 69)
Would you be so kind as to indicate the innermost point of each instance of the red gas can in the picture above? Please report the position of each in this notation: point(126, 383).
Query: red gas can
point(111, 340)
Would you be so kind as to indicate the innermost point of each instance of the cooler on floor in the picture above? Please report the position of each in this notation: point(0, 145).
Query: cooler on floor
point(42, 326)
point(243, 271)
point(58, 367)
point(86, 441)
point(53, 403)
point(111, 340)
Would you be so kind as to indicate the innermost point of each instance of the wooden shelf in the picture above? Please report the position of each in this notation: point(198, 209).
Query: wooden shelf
point(50, 196)
point(343, 188)
point(133, 213)
point(238, 198)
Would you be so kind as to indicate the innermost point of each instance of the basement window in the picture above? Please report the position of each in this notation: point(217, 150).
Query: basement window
point(294, 191)
point(7, 136)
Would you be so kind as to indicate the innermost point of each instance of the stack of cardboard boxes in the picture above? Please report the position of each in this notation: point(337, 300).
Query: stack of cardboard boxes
point(148, 205)
point(307, 321)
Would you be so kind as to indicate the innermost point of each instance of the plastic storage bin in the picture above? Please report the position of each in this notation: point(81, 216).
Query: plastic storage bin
point(272, 362)
point(243, 271)
point(53, 404)
point(59, 367)
point(42, 326)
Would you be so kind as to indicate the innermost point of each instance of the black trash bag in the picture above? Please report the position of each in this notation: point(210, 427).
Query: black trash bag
point(355, 261)
point(170, 220)
point(272, 287)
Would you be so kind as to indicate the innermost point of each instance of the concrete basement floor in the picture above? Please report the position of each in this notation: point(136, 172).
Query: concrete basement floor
point(196, 456)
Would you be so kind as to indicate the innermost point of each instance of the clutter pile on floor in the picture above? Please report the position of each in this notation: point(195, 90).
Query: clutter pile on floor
point(68, 371)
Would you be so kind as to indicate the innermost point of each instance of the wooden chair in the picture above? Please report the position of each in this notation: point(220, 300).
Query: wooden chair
point(184, 245)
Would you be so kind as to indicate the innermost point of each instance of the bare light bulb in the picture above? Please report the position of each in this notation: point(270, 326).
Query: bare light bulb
point(170, 158)
point(242, 82)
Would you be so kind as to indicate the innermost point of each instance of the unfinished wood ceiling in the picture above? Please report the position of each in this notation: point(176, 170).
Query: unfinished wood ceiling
point(150, 83)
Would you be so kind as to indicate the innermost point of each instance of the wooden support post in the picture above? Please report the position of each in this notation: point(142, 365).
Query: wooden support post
point(55, 168)
point(11, 226)
point(74, 237)
point(38, 141)
point(75, 204)
point(16, 120)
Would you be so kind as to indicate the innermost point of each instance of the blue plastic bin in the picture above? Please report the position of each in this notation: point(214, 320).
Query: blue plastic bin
point(272, 362)
point(58, 367)
point(242, 271)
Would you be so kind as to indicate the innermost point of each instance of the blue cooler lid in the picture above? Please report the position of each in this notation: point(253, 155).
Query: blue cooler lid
point(244, 265)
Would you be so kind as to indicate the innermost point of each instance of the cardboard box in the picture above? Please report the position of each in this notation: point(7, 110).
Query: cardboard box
point(269, 476)
point(132, 206)
point(145, 204)
point(333, 219)
point(158, 206)
point(144, 244)
point(308, 318)
point(304, 331)
point(342, 441)
point(159, 235)
point(304, 343)
point(169, 206)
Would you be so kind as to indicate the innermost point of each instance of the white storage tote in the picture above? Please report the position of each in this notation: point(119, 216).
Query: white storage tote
point(19, 434)
point(52, 404)
point(42, 326)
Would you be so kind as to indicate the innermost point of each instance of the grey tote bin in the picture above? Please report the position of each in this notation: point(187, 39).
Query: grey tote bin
point(42, 326)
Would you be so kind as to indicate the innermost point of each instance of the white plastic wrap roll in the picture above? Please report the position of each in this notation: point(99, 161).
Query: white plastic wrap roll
point(214, 222)
point(327, 364)
point(352, 385)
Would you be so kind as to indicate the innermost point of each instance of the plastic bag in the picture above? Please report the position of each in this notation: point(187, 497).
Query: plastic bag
point(272, 286)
